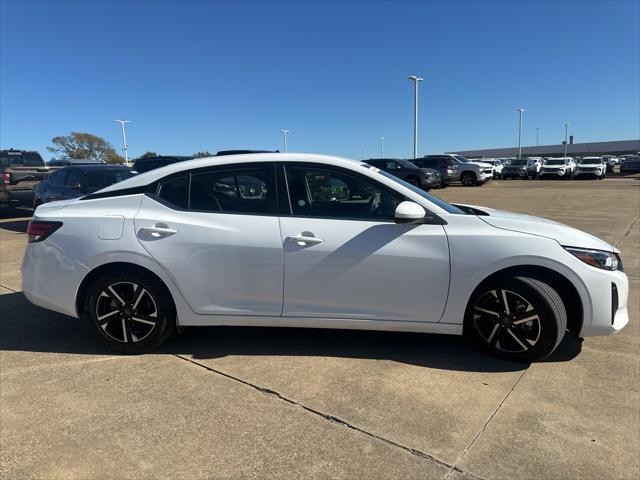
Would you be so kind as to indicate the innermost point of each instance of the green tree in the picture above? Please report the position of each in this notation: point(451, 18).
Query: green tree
point(80, 145)
point(203, 154)
point(148, 155)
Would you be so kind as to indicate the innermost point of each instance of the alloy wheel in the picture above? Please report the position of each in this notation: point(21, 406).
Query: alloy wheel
point(506, 321)
point(126, 312)
point(468, 179)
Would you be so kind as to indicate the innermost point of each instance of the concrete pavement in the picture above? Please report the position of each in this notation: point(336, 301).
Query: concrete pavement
point(256, 403)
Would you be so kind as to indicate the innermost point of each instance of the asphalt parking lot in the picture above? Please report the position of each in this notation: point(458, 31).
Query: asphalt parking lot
point(285, 403)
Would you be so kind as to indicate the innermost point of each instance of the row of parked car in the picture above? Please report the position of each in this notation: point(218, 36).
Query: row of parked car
point(594, 167)
point(27, 180)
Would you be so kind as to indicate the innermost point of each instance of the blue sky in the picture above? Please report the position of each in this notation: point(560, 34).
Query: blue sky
point(222, 75)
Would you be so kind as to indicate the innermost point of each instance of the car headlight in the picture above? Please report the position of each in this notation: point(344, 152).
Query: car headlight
point(597, 258)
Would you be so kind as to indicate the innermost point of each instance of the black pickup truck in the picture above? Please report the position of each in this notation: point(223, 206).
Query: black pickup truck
point(20, 171)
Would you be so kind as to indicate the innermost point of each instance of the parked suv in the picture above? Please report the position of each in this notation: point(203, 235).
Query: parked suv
point(77, 181)
point(594, 167)
point(444, 164)
point(472, 172)
point(495, 162)
point(20, 170)
point(424, 178)
point(631, 164)
point(520, 168)
point(563, 168)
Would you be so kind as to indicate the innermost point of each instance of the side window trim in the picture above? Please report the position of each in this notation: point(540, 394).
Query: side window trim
point(154, 189)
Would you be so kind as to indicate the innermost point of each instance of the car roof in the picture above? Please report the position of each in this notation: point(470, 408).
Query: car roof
point(94, 166)
point(151, 176)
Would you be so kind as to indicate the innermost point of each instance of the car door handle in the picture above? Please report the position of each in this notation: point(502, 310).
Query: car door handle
point(159, 230)
point(304, 240)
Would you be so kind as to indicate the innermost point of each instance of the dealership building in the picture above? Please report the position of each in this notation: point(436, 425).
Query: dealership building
point(621, 147)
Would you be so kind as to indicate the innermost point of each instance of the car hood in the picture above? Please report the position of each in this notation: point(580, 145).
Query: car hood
point(481, 164)
point(590, 165)
point(518, 222)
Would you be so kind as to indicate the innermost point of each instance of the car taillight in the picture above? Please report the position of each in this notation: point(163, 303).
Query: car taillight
point(38, 231)
point(6, 178)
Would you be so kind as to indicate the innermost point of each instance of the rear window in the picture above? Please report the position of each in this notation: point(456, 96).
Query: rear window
point(19, 159)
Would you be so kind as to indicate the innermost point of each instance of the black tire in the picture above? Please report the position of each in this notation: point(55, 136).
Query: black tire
point(468, 179)
point(131, 328)
point(536, 308)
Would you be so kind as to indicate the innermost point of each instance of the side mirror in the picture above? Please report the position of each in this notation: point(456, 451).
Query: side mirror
point(409, 212)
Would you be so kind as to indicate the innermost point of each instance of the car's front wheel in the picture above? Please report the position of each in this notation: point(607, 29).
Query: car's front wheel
point(130, 311)
point(468, 179)
point(517, 318)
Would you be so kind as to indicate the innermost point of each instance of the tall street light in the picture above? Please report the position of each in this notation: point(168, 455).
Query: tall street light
point(284, 132)
point(415, 113)
point(566, 137)
point(520, 134)
point(537, 137)
point(124, 140)
point(382, 147)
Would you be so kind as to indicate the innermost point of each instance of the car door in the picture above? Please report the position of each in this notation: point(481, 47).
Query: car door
point(344, 257)
point(216, 233)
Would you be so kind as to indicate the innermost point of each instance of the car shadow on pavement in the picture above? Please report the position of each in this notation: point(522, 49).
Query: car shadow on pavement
point(18, 226)
point(25, 327)
point(20, 212)
point(444, 352)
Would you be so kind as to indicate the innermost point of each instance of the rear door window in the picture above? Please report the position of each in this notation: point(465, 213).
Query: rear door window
point(174, 191)
point(32, 159)
point(243, 189)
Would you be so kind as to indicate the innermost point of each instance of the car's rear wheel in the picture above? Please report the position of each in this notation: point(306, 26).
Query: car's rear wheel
point(468, 179)
point(130, 311)
point(517, 318)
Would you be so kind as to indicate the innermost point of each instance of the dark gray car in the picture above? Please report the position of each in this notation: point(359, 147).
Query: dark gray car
point(78, 181)
point(424, 178)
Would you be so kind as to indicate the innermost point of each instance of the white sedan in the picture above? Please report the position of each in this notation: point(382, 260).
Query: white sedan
point(298, 240)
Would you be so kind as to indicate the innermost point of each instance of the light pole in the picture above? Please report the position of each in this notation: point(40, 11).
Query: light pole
point(284, 132)
point(124, 140)
point(566, 137)
point(537, 137)
point(520, 134)
point(382, 147)
point(415, 81)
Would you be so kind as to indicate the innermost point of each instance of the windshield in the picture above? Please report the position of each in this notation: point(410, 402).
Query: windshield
point(460, 159)
point(433, 199)
point(406, 164)
point(97, 179)
point(554, 162)
point(589, 161)
point(518, 163)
